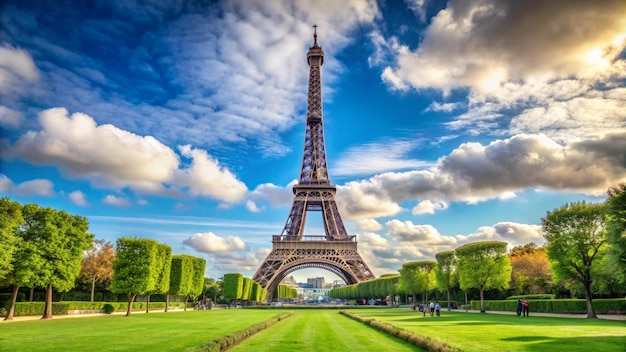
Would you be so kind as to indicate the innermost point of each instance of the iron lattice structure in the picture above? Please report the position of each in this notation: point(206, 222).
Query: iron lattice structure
point(292, 251)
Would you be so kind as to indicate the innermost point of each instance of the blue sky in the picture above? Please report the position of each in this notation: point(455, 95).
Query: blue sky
point(446, 122)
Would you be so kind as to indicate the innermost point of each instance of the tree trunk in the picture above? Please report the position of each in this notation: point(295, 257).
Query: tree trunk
point(147, 303)
point(167, 301)
point(466, 308)
point(32, 294)
point(185, 303)
point(13, 300)
point(131, 299)
point(449, 302)
point(482, 299)
point(591, 313)
point(47, 312)
point(93, 287)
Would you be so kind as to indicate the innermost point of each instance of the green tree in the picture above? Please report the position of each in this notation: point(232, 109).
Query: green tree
point(409, 279)
point(233, 286)
point(134, 267)
point(181, 277)
point(97, 265)
point(616, 229)
point(162, 270)
point(446, 272)
point(575, 235)
point(10, 219)
point(531, 270)
point(483, 265)
point(247, 289)
point(199, 267)
point(213, 288)
point(56, 243)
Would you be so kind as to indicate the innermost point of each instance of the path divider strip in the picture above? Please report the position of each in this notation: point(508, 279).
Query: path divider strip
point(226, 342)
point(423, 342)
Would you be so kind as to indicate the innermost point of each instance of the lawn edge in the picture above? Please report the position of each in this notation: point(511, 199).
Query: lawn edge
point(423, 342)
point(228, 341)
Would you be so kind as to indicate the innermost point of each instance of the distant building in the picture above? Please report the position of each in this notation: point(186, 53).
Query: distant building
point(317, 282)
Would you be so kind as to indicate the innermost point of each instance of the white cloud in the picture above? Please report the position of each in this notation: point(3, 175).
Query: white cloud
point(474, 172)
point(375, 158)
point(36, 187)
point(368, 225)
point(78, 198)
point(428, 207)
point(16, 65)
point(113, 158)
point(276, 196)
point(251, 206)
point(115, 201)
point(209, 242)
point(513, 233)
point(10, 118)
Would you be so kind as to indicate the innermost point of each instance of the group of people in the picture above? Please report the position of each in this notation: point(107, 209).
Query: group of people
point(432, 308)
point(522, 307)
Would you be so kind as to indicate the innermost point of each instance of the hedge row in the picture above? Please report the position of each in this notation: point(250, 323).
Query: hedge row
point(542, 296)
point(574, 306)
point(224, 343)
point(60, 308)
point(423, 342)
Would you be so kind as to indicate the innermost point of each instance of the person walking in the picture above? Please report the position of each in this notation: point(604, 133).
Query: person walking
point(438, 308)
point(525, 306)
point(432, 308)
point(519, 307)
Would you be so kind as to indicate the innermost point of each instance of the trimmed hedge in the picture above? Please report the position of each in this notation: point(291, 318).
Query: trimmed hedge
point(542, 296)
point(224, 343)
point(60, 308)
point(573, 306)
point(423, 342)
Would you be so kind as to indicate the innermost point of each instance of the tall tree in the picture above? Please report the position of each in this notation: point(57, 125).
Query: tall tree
point(163, 265)
point(199, 267)
point(531, 270)
point(409, 282)
point(616, 228)
point(97, 265)
point(418, 277)
point(56, 243)
point(134, 267)
point(575, 235)
point(233, 286)
point(181, 277)
point(483, 265)
point(10, 219)
point(446, 272)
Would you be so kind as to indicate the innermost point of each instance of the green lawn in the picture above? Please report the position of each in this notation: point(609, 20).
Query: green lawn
point(314, 330)
point(173, 331)
point(496, 332)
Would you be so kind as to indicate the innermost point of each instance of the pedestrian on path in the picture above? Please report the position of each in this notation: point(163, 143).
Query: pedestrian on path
point(525, 306)
point(432, 308)
point(519, 307)
point(438, 308)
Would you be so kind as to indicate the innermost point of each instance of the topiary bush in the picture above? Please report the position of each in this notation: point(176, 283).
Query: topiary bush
point(109, 308)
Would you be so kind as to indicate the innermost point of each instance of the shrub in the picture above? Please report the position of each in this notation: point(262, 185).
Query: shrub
point(109, 308)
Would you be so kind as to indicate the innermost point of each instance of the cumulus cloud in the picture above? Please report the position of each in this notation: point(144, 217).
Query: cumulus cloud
point(474, 172)
point(405, 242)
point(428, 207)
point(36, 187)
point(368, 225)
point(275, 195)
point(78, 198)
point(209, 242)
point(16, 66)
point(530, 67)
point(116, 201)
point(9, 117)
point(113, 158)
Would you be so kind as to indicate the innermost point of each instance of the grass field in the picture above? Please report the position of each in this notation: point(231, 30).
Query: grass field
point(495, 332)
point(321, 331)
point(312, 330)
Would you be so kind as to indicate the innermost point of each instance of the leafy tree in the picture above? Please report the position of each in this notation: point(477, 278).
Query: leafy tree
point(409, 282)
point(163, 266)
point(10, 219)
point(97, 265)
point(575, 235)
point(181, 277)
point(233, 286)
point(483, 265)
point(418, 277)
point(446, 272)
point(247, 289)
point(134, 268)
point(531, 273)
point(616, 229)
point(55, 242)
point(213, 288)
point(199, 267)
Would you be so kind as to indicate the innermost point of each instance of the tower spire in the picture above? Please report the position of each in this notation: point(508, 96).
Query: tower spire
point(315, 35)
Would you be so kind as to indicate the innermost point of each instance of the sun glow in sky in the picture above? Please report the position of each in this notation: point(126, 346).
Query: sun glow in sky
point(446, 122)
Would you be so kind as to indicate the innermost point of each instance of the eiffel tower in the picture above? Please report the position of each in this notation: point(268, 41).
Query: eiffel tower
point(336, 251)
